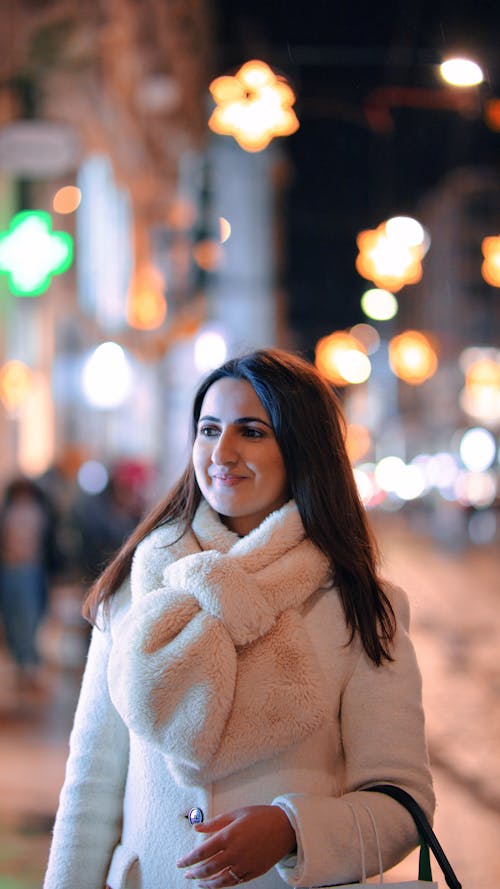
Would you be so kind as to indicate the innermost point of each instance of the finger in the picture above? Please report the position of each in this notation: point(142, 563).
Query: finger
point(225, 878)
point(206, 850)
point(214, 824)
point(208, 869)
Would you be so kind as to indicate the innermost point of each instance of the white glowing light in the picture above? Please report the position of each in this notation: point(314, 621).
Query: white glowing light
point(210, 350)
point(370, 492)
point(388, 472)
point(405, 230)
point(477, 449)
point(92, 477)
point(481, 403)
point(411, 483)
point(353, 366)
point(379, 304)
point(461, 72)
point(364, 484)
point(107, 376)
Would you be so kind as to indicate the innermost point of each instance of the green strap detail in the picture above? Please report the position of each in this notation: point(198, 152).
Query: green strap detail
point(424, 862)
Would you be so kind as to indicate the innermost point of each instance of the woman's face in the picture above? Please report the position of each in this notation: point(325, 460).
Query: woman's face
point(237, 462)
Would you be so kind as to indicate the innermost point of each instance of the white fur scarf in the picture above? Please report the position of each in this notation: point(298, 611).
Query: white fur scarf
point(213, 664)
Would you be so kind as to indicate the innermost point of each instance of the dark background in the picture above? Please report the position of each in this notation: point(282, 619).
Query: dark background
point(359, 158)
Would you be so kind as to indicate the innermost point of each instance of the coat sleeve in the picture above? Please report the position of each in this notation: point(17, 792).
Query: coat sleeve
point(88, 821)
point(383, 738)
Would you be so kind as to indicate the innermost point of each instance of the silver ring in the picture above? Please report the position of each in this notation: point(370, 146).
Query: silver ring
point(234, 876)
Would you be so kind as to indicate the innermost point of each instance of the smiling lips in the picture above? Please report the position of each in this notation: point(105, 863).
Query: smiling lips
point(228, 480)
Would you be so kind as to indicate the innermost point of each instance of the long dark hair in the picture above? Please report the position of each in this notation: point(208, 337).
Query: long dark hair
point(309, 425)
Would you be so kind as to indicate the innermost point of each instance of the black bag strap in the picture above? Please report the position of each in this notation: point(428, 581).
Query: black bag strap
point(424, 828)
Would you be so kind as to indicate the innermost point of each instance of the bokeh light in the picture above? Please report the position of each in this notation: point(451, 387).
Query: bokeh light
point(441, 470)
point(478, 489)
point(490, 268)
point(405, 230)
point(341, 358)
point(210, 350)
point(477, 449)
point(146, 301)
point(107, 376)
point(254, 106)
point(410, 482)
point(16, 380)
point(358, 441)
point(207, 254)
point(31, 252)
point(370, 492)
point(367, 336)
point(412, 357)
point(461, 72)
point(388, 472)
point(67, 199)
point(225, 229)
point(92, 477)
point(379, 304)
point(388, 256)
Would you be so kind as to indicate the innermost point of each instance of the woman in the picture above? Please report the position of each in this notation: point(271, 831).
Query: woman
point(249, 673)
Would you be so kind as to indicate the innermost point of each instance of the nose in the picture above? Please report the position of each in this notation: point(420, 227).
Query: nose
point(225, 451)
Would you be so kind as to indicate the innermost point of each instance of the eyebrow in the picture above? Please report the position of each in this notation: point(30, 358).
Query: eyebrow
point(240, 421)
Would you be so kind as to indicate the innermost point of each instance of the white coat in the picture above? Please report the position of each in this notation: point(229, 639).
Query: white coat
point(123, 821)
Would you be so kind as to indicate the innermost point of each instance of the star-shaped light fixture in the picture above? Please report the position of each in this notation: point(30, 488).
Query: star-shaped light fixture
point(30, 253)
point(254, 106)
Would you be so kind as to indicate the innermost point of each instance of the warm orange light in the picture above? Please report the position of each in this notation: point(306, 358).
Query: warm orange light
point(36, 428)
point(16, 380)
point(492, 114)
point(67, 199)
point(225, 229)
point(358, 441)
point(480, 398)
point(412, 357)
point(207, 254)
point(483, 372)
point(388, 261)
point(146, 303)
point(254, 106)
point(336, 353)
point(490, 268)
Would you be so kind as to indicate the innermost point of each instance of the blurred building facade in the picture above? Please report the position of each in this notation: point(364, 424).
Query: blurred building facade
point(453, 302)
point(113, 99)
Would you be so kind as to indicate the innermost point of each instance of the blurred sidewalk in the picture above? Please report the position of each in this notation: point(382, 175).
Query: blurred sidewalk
point(455, 605)
point(455, 600)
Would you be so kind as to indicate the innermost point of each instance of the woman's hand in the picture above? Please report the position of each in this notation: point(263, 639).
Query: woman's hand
point(244, 844)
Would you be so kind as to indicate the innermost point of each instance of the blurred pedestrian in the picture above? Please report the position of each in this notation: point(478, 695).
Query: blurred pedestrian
point(106, 519)
point(250, 673)
point(28, 559)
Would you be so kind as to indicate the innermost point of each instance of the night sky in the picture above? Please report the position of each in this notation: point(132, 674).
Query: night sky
point(356, 158)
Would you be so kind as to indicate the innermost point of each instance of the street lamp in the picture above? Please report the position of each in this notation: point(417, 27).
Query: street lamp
point(461, 72)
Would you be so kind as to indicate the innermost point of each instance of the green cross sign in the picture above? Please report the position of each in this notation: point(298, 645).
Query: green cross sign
point(30, 253)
